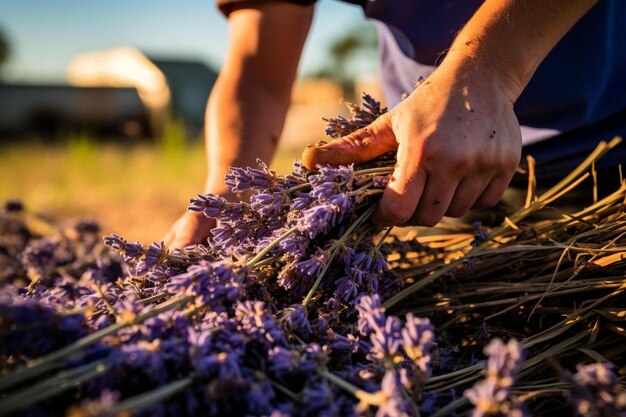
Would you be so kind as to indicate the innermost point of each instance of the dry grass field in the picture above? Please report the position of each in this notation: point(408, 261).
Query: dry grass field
point(136, 191)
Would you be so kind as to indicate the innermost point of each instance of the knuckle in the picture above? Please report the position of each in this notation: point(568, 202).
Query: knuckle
point(460, 163)
point(397, 213)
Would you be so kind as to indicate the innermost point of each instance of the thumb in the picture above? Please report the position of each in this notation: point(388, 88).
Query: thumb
point(360, 146)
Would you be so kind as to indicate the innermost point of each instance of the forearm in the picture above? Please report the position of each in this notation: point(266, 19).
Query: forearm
point(249, 102)
point(244, 122)
point(508, 39)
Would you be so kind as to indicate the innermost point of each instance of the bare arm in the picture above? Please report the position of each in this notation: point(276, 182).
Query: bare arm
point(457, 138)
point(249, 102)
point(247, 108)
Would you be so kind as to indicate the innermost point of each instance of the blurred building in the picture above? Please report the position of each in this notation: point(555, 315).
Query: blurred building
point(113, 92)
point(52, 111)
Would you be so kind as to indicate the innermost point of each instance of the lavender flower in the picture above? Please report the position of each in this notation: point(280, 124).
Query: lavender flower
point(395, 404)
point(267, 205)
point(209, 205)
point(314, 265)
point(257, 322)
point(362, 116)
point(597, 392)
point(298, 322)
point(318, 220)
point(418, 339)
point(386, 340)
point(242, 179)
point(371, 316)
point(492, 397)
point(295, 245)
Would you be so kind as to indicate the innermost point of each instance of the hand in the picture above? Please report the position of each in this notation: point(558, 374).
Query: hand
point(191, 228)
point(458, 144)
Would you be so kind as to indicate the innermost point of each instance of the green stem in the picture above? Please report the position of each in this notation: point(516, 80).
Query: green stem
point(49, 388)
point(155, 297)
point(140, 401)
point(378, 170)
point(333, 251)
point(41, 365)
point(382, 239)
point(448, 408)
point(298, 188)
point(271, 246)
point(368, 398)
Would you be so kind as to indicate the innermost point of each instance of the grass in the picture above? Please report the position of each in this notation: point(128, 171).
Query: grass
point(136, 190)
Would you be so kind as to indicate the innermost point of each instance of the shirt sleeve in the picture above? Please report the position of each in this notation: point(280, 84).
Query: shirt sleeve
point(227, 6)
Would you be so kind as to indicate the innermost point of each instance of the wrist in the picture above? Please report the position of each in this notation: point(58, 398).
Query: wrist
point(473, 66)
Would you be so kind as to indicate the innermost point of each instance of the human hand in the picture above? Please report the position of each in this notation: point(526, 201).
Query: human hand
point(191, 228)
point(458, 145)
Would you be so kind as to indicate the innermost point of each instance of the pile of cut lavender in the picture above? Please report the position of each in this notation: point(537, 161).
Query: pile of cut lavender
point(298, 306)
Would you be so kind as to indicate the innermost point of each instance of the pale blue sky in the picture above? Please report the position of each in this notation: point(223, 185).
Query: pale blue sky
point(45, 34)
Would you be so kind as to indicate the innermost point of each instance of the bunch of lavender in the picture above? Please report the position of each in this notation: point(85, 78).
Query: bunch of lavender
point(285, 310)
point(261, 320)
point(492, 397)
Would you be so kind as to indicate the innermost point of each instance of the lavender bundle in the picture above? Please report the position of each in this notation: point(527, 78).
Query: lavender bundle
point(297, 306)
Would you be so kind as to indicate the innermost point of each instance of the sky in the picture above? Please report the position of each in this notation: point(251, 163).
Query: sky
point(44, 34)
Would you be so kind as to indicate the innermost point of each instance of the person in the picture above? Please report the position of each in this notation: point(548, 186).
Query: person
point(498, 74)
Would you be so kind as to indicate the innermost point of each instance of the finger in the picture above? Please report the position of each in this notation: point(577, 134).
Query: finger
point(169, 237)
point(403, 190)
point(465, 196)
point(435, 200)
point(493, 193)
point(361, 146)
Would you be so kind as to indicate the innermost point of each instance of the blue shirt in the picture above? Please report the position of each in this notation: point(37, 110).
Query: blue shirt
point(580, 83)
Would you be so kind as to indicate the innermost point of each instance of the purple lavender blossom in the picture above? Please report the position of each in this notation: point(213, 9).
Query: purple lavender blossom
point(282, 361)
point(301, 202)
point(317, 220)
point(371, 316)
point(208, 204)
point(298, 322)
point(341, 176)
point(346, 288)
point(418, 339)
point(597, 392)
point(362, 116)
point(295, 245)
point(386, 340)
point(372, 106)
point(266, 204)
point(380, 181)
point(129, 251)
point(492, 396)
point(257, 322)
point(479, 235)
point(213, 283)
point(395, 403)
point(314, 265)
point(242, 179)
point(155, 254)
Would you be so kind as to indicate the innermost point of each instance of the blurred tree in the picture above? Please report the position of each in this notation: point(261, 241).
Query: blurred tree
point(5, 50)
point(359, 42)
